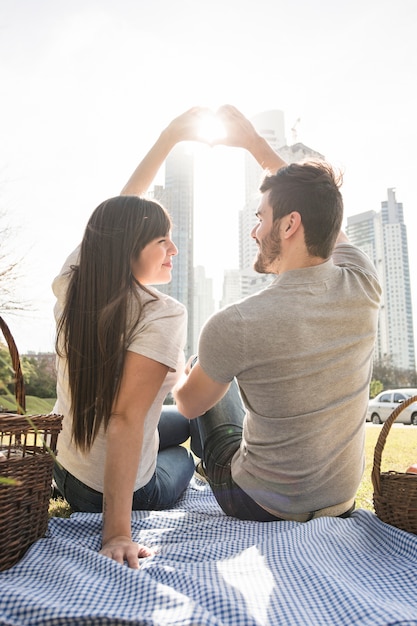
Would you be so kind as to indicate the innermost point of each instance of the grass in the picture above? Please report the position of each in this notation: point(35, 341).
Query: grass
point(58, 507)
point(34, 406)
point(400, 451)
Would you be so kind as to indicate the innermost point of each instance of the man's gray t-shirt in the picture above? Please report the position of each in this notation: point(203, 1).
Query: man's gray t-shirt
point(301, 351)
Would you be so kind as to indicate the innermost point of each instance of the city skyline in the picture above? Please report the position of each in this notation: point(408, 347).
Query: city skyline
point(87, 87)
point(178, 198)
point(178, 195)
point(382, 235)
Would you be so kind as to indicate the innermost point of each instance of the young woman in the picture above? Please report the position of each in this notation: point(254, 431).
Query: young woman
point(119, 351)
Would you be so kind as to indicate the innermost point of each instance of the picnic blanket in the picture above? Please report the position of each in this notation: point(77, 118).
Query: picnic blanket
point(212, 570)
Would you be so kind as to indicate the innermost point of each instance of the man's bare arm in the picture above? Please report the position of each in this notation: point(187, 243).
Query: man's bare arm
point(196, 392)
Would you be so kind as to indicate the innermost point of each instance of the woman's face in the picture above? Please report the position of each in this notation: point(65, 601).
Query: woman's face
point(154, 264)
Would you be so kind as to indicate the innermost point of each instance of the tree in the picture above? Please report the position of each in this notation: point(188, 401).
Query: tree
point(375, 388)
point(39, 374)
point(6, 371)
point(391, 377)
point(8, 270)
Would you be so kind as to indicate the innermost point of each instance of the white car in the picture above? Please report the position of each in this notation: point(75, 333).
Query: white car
point(381, 407)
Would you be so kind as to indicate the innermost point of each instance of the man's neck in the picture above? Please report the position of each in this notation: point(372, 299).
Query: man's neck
point(295, 263)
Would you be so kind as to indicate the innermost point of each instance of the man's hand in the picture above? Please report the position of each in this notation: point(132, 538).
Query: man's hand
point(123, 549)
point(190, 363)
point(239, 131)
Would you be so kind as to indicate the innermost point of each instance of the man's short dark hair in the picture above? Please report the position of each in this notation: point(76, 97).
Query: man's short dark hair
point(312, 189)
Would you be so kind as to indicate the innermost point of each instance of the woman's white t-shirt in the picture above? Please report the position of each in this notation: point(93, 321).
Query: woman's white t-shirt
point(160, 335)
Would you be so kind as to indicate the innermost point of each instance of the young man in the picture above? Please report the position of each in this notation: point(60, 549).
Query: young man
point(300, 351)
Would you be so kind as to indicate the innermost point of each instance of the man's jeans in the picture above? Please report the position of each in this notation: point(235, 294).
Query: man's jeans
point(220, 430)
point(174, 469)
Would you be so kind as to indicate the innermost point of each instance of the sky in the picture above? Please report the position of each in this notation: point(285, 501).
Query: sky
point(86, 87)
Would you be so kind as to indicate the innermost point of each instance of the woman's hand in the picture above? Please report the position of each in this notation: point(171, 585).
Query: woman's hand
point(140, 383)
point(123, 549)
point(187, 126)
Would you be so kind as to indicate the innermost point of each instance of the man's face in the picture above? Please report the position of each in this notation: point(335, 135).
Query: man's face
point(267, 236)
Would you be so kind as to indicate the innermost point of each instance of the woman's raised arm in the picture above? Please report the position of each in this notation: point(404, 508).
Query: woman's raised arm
point(185, 127)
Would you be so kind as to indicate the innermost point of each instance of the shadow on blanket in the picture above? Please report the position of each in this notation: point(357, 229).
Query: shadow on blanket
point(213, 570)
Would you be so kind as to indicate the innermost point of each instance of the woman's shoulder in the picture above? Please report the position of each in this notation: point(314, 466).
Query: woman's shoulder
point(60, 282)
point(157, 303)
point(157, 318)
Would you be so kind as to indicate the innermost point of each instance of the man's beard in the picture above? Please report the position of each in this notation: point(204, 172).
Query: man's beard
point(269, 252)
point(260, 264)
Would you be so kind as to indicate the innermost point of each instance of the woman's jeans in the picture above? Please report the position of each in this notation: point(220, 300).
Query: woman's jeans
point(174, 469)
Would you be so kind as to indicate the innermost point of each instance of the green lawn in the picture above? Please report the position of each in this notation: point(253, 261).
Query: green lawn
point(34, 406)
point(400, 451)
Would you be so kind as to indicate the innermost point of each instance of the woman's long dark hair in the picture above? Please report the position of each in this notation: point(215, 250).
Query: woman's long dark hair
point(92, 332)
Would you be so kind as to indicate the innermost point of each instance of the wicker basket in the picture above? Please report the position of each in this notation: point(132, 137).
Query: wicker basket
point(25, 445)
point(395, 493)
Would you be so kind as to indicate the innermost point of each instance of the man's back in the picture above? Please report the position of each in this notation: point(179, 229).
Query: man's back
point(301, 352)
point(302, 356)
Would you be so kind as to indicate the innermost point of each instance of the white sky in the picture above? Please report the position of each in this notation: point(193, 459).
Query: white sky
point(87, 85)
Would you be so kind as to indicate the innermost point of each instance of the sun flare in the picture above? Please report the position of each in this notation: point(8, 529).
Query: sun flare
point(211, 129)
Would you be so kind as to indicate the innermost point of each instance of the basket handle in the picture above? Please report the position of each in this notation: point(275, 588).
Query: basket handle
point(380, 444)
point(14, 354)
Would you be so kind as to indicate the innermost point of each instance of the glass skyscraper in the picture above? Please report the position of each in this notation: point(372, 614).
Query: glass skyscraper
point(383, 236)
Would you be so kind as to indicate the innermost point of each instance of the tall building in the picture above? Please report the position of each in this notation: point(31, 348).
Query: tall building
point(178, 197)
point(270, 125)
point(232, 289)
point(203, 302)
point(383, 236)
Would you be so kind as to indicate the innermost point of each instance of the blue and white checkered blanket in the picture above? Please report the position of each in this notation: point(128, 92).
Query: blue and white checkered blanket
point(216, 571)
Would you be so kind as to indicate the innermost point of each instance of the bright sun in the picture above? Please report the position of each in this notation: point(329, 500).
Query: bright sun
point(211, 128)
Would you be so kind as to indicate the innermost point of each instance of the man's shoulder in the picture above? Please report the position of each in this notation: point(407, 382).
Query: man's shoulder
point(354, 259)
point(241, 309)
point(347, 253)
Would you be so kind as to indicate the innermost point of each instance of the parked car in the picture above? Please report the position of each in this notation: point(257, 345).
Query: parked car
point(381, 407)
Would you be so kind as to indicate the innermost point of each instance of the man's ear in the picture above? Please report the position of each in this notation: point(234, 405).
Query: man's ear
point(292, 223)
